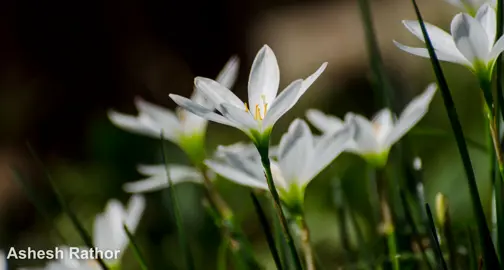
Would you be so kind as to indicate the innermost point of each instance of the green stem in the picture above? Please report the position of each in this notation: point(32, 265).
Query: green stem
point(264, 153)
point(391, 242)
point(305, 242)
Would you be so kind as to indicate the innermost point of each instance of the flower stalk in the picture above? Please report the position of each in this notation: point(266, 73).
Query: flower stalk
point(305, 242)
point(263, 148)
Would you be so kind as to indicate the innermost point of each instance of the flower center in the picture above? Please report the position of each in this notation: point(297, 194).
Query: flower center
point(257, 109)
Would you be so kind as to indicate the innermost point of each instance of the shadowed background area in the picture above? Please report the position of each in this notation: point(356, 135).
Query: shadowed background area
point(64, 64)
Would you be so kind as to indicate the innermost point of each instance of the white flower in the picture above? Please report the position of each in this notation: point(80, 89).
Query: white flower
point(158, 179)
point(108, 231)
point(472, 41)
point(471, 6)
point(67, 262)
point(257, 117)
point(182, 128)
point(373, 139)
point(300, 159)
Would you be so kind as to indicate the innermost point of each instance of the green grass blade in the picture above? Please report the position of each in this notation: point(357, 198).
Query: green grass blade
point(381, 83)
point(267, 230)
point(66, 208)
point(39, 204)
point(490, 256)
point(184, 244)
point(473, 253)
point(499, 203)
point(414, 230)
point(138, 255)
point(434, 240)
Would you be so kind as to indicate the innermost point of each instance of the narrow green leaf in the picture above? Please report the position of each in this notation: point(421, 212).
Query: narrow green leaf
point(138, 255)
point(222, 255)
point(381, 82)
point(473, 253)
point(267, 230)
point(434, 240)
point(184, 244)
point(499, 203)
point(490, 257)
point(414, 229)
point(66, 208)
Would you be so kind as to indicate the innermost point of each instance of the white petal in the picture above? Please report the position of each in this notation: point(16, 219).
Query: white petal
point(486, 17)
point(470, 38)
point(497, 48)
point(236, 175)
point(243, 119)
point(441, 41)
point(364, 136)
point(250, 165)
point(283, 103)
point(160, 115)
point(228, 75)
point(264, 78)
point(415, 110)
point(295, 151)
point(383, 124)
point(217, 93)
point(324, 122)
point(200, 110)
point(134, 212)
point(158, 178)
point(326, 149)
point(422, 52)
point(142, 124)
point(107, 229)
point(311, 79)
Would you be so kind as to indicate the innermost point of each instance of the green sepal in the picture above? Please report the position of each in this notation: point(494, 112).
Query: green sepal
point(194, 146)
point(377, 160)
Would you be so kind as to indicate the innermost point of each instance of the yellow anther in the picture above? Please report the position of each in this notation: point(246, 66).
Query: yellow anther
point(246, 107)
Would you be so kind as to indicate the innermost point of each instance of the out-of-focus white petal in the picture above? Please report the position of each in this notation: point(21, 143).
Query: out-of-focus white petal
point(236, 175)
point(364, 136)
point(107, 229)
point(142, 124)
point(326, 149)
point(162, 116)
point(422, 52)
point(200, 110)
point(228, 75)
point(415, 110)
point(158, 179)
point(311, 79)
point(295, 150)
point(239, 116)
point(486, 17)
point(470, 37)
point(247, 164)
point(383, 124)
point(441, 41)
point(324, 122)
point(497, 48)
point(217, 93)
point(284, 102)
point(264, 77)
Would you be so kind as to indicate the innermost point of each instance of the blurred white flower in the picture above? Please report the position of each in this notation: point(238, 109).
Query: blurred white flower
point(471, 6)
point(300, 159)
point(472, 41)
point(182, 128)
point(108, 231)
point(157, 178)
point(3, 260)
point(67, 262)
point(373, 139)
point(257, 117)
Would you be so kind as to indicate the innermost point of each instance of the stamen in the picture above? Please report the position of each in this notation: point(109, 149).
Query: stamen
point(265, 108)
point(246, 107)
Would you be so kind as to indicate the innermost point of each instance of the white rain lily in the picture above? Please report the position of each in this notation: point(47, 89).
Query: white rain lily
point(373, 139)
point(181, 127)
point(157, 178)
point(471, 43)
point(471, 6)
point(300, 159)
point(69, 263)
point(257, 116)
